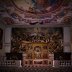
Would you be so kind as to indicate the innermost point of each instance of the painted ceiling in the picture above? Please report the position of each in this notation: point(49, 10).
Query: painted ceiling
point(31, 12)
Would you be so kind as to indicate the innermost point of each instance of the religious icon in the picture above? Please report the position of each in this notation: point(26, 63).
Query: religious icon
point(45, 56)
point(37, 49)
point(30, 56)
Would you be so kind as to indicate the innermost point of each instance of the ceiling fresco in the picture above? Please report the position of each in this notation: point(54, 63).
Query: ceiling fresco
point(31, 12)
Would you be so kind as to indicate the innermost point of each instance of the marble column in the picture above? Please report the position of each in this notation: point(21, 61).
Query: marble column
point(71, 44)
point(67, 39)
point(7, 39)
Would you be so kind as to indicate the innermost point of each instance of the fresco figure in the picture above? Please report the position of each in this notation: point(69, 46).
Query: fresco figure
point(41, 5)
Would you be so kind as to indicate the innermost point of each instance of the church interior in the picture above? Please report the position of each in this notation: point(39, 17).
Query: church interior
point(35, 35)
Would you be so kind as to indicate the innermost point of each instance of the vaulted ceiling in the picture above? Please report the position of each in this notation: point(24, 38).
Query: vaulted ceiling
point(32, 12)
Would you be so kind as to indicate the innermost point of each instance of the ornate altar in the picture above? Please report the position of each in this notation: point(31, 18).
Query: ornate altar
point(35, 53)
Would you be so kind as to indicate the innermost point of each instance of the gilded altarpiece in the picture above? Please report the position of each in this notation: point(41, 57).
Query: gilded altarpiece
point(36, 43)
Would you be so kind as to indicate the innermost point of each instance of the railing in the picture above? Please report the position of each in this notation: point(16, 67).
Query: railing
point(65, 62)
point(4, 62)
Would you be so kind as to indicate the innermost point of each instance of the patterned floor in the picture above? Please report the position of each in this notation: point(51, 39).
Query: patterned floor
point(35, 69)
